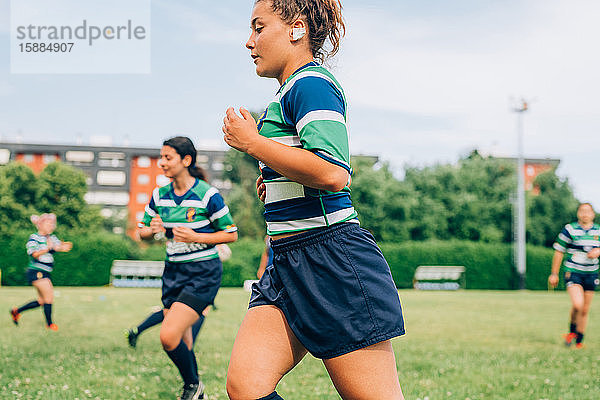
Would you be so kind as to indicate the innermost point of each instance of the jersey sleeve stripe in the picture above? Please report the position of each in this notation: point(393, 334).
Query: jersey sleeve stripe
point(319, 115)
point(209, 193)
point(221, 213)
point(564, 238)
point(150, 211)
point(293, 141)
point(558, 247)
point(328, 157)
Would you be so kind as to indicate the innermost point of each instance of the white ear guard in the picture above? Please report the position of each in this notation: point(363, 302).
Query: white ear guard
point(298, 33)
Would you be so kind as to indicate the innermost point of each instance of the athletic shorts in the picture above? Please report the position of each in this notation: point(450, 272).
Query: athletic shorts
point(35, 274)
point(586, 281)
point(194, 284)
point(335, 289)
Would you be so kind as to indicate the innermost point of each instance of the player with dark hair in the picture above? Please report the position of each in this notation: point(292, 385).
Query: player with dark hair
point(329, 291)
point(40, 248)
point(194, 218)
point(580, 241)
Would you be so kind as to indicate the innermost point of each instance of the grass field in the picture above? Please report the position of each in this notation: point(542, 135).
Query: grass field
point(459, 345)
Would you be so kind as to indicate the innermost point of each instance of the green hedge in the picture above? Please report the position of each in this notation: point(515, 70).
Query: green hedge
point(488, 266)
point(88, 264)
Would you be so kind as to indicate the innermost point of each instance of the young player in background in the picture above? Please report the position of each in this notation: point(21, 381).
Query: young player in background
point(329, 290)
point(580, 241)
point(40, 248)
point(194, 218)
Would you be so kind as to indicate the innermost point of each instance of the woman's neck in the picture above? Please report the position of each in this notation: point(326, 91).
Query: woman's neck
point(292, 67)
point(183, 184)
point(586, 226)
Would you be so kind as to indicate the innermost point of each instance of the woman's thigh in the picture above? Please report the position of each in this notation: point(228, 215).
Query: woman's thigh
point(45, 289)
point(367, 373)
point(178, 319)
point(265, 349)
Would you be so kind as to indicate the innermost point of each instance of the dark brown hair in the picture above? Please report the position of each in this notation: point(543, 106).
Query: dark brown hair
point(324, 20)
point(185, 147)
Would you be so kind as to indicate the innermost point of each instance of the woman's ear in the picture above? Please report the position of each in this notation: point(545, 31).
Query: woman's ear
point(298, 30)
point(187, 161)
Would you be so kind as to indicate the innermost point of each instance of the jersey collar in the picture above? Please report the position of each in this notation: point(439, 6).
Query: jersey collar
point(310, 64)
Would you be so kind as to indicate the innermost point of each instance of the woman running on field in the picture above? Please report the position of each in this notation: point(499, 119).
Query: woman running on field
point(329, 291)
point(195, 219)
point(40, 248)
point(581, 242)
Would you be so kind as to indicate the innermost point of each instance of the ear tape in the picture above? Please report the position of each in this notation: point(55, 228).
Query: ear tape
point(298, 33)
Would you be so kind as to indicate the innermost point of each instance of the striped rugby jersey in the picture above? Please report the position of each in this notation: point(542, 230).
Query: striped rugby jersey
point(576, 242)
point(36, 242)
point(309, 111)
point(201, 208)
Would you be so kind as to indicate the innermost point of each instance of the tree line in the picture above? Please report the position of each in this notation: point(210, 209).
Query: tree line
point(469, 200)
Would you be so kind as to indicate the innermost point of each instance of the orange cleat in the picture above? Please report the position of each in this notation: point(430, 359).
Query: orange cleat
point(569, 338)
point(52, 327)
point(579, 346)
point(15, 316)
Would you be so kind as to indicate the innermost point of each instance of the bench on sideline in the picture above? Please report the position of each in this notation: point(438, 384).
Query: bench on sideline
point(136, 273)
point(438, 277)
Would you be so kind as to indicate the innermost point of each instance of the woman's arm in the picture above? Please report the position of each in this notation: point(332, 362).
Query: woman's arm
point(64, 247)
point(263, 263)
point(294, 163)
point(156, 226)
point(38, 253)
point(183, 234)
point(556, 261)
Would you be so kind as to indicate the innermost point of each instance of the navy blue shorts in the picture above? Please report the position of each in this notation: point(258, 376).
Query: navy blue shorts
point(335, 289)
point(194, 284)
point(586, 281)
point(35, 274)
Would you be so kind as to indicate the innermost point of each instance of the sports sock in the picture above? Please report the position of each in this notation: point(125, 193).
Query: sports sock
point(196, 328)
point(272, 396)
point(195, 363)
point(48, 313)
point(579, 337)
point(573, 328)
point(182, 357)
point(152, 320)
point(28, 306)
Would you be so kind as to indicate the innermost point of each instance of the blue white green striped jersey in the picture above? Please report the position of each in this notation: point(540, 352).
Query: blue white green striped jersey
point(576, 242)
point(201, 208)
point(309, 112)
point(36, 242)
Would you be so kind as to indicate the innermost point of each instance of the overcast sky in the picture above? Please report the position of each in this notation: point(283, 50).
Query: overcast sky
point(427, 81)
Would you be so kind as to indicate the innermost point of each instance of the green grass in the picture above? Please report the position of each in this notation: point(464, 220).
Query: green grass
point(468, 344)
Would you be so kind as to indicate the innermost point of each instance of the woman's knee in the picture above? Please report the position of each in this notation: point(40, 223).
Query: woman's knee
point(169, 338)
point(239, 386)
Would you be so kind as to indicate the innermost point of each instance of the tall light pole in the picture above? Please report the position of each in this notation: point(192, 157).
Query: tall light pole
point(520, 245)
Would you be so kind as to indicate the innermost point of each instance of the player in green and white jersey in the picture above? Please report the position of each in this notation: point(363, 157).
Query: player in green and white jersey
point(329, 290)
point(40, 248)
point(194, 218)
point(580, 242)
